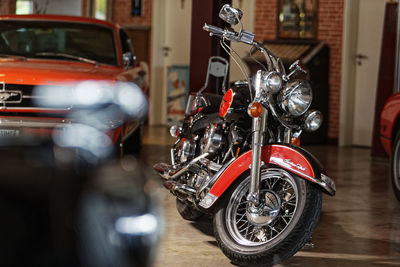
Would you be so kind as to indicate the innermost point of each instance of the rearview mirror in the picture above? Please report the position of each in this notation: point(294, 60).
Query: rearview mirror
point(230, 15)
point(128, 59)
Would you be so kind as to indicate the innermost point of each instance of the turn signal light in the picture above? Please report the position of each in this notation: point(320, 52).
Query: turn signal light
point(255, 110)
point(295, 141)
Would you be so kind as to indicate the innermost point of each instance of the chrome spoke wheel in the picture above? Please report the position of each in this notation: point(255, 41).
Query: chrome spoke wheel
point(279, 201)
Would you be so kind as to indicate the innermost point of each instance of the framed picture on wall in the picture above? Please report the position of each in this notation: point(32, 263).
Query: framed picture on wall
point(297, 19)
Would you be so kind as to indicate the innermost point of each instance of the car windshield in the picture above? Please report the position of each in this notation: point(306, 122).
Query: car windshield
point(58, 40)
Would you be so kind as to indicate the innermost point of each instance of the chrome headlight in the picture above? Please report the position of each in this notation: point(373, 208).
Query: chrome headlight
point(272, 82)
point(312, 120)
point(296, 97)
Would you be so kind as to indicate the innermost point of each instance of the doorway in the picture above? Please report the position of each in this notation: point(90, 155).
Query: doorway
point(170, 47)
point(360, 67)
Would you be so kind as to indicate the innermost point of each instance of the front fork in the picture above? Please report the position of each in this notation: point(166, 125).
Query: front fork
point(258, 129)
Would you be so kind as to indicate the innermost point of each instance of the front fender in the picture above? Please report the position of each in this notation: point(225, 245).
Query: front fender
point(291, 158)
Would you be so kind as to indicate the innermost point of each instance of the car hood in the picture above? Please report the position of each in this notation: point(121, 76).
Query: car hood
point(38, 72)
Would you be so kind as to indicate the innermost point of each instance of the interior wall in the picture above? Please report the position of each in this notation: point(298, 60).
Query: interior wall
point(330, 31)
point(247, 7)
point(121, 12)
point(62, 7)
point(7, 7)
point(347, 95)
point(170, 45)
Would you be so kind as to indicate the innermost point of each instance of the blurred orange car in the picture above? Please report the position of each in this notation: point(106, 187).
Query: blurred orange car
point(390, 138)
point(54, 51)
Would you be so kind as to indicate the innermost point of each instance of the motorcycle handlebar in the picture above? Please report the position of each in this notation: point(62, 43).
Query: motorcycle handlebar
point(230, 35)
point(213, 29)
point(241, 37)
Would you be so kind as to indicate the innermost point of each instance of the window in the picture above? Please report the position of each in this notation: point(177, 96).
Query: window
point(24, 7)
point(57, 40)
point(100, 9)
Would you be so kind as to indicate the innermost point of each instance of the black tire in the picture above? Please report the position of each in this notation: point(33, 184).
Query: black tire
point(294, 219)
point(133, 144)
point(395, 167)
point(187, 212)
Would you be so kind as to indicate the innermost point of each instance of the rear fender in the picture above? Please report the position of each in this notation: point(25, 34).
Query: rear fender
point(291, 158)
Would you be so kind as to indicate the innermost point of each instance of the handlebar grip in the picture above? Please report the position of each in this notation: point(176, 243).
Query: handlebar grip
point(213, 29)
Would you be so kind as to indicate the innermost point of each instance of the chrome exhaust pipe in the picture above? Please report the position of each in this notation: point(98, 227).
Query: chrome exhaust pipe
point(180, 188)
point(168, 172)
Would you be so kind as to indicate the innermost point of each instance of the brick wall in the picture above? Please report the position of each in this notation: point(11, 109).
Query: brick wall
point(121, 12)
point(7, 6)
point(330, 27)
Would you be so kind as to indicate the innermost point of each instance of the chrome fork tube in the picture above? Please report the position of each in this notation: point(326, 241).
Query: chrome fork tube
point(288, 136)
point(258, 128)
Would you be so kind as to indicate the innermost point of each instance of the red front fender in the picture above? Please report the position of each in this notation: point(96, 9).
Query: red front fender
point(293, 159)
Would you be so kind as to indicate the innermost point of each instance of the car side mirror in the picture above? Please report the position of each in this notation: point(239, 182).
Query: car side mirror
point(128, 59)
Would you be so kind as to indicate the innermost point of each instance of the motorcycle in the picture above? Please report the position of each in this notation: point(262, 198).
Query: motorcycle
point(246, 169)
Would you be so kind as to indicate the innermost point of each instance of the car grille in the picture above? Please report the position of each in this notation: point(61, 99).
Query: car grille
point(24, 102)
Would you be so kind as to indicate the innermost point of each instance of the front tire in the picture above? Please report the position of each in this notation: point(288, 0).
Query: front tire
point(395, 167)
point(294, 206)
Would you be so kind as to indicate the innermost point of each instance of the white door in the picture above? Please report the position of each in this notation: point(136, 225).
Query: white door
point(171, 46)
point(369, 38)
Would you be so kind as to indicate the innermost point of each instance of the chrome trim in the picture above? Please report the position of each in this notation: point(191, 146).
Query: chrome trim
point(214, 178)
point(258, 126)
point(33, 108)
point(42, 123)
point(208, 201)
point(174, 186)
point(173, 161)
point(328, 184)
point(33, 96)
point(168, 172)
point(8, 94)
point(210, 164)
point(33, 123)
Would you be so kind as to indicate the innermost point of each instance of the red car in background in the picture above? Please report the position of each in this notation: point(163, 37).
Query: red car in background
point(390, 138)
point(58, 51)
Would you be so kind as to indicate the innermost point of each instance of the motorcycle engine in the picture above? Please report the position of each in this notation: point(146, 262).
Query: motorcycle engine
point(212, 139)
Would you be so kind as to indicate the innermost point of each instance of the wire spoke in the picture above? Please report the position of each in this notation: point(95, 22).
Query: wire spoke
point(277, 187)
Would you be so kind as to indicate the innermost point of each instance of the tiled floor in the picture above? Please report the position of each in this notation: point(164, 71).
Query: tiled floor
point(360, 226)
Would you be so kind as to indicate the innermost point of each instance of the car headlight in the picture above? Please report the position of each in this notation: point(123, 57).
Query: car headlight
point(272, 82)
point(296, 97)
point(312, 120)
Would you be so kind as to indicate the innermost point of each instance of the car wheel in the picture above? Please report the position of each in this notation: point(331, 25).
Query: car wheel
point(395, 166)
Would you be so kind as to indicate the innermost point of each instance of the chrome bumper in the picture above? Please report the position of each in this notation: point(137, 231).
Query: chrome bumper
point(33, 123)
point(49, 123)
